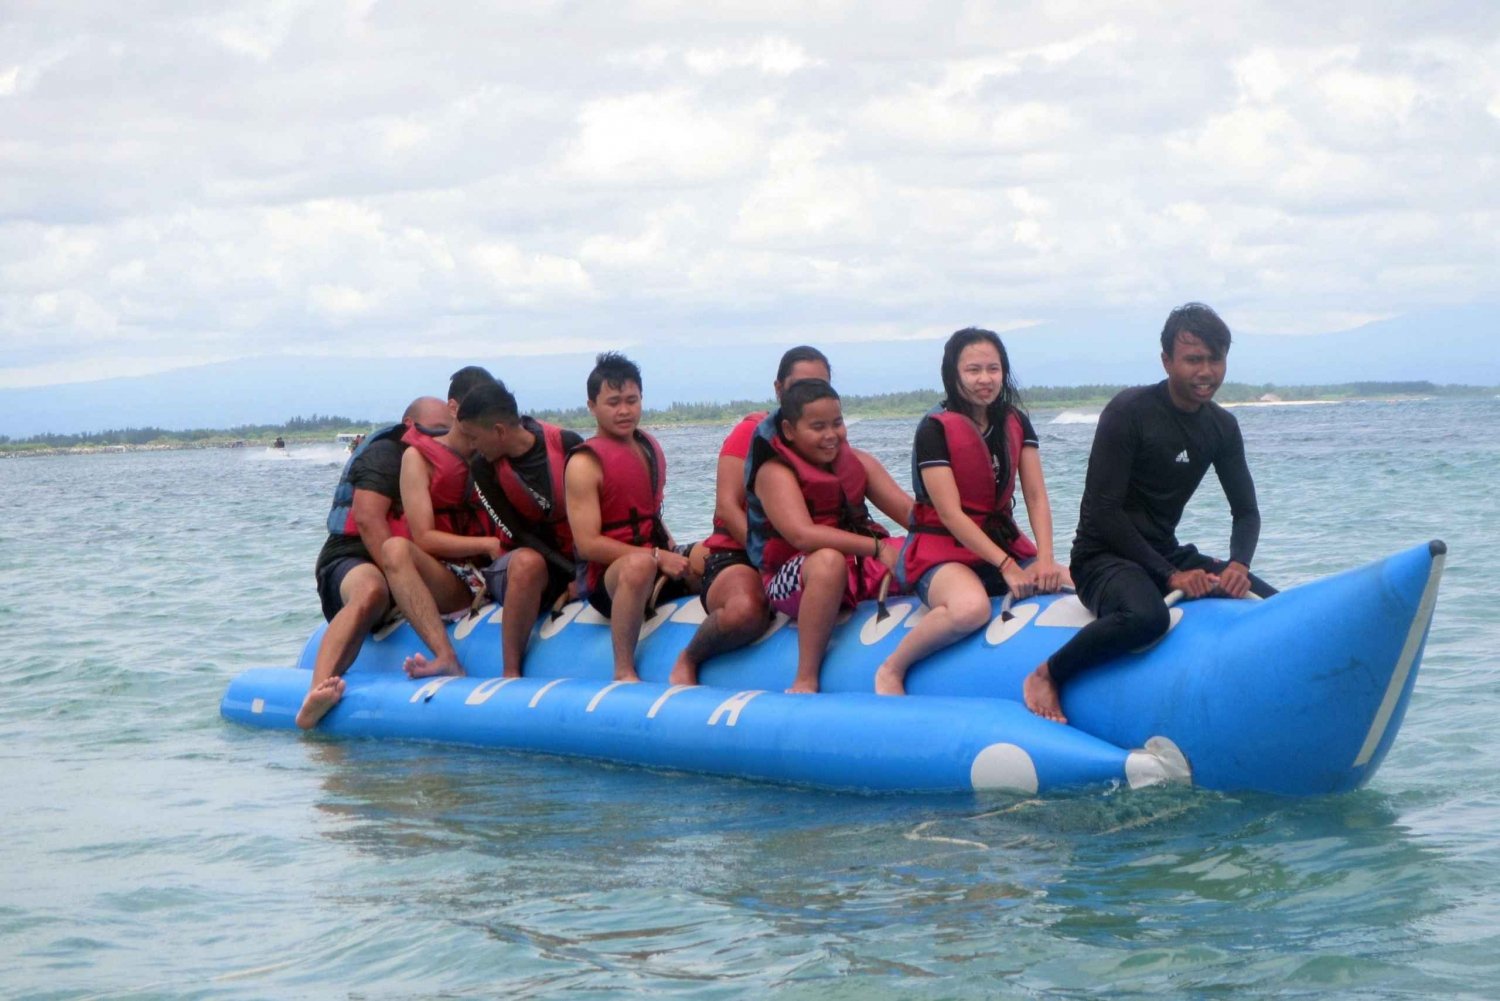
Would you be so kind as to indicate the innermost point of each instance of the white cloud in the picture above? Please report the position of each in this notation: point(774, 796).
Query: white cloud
point(308, 177)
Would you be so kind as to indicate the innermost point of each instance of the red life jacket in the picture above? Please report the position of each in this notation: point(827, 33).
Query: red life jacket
point(987, 504)
point(835, 497)
point(448, 484)
point(630, 493)
point(721, 540)
point(533, 509)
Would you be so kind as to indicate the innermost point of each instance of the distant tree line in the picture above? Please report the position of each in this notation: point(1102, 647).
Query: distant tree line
point(909, 403)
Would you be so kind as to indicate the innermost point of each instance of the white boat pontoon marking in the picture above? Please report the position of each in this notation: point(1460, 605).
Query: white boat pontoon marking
point(1158, 763)
point(594, 702)
point(467, 624)
point(1067, 612)
point(543, 691)
point(1403, 664)
point(874, 630)
point(778, 622)
point(482, 691)
point(690, 614)
point(427, 691)
point(1000, 630)
point(732, 706)
point(258, 706)
point(656, 706)
point(551, 627)
point(661, 615)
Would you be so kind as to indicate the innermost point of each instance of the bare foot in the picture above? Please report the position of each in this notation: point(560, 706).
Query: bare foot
point(323, 697)
point(628, 676)
point(1041, 695)
point(418, 666)
point(800, 687)
point(888, 682)
point(684, 672)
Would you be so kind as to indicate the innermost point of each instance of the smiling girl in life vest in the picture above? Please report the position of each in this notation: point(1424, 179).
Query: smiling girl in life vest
point(964, 545)
point(810, 532)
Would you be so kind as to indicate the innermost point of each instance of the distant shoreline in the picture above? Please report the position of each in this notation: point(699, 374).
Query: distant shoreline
point(895, 406)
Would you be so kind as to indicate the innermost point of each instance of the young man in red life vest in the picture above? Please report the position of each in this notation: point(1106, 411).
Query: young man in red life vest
point(518, 483)
point(809, 529)
point(351, 581)
point(615, 482)
point(732, 592)
point(438, 571)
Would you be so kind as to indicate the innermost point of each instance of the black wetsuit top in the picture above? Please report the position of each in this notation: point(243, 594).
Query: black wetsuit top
point(1148, 459)
point(378, 468)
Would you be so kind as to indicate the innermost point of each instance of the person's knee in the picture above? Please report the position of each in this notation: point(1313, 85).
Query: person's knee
point(635, 571)
point(396, 552)
point(744, 612)
point(970, 612)
point(824, 566)
point(1144, 622)
point(527, 568)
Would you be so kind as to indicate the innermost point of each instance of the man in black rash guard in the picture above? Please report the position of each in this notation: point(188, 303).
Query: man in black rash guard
point(1151, 450)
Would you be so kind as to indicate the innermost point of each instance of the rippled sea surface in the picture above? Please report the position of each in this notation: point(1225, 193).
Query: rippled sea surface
point(152, 850)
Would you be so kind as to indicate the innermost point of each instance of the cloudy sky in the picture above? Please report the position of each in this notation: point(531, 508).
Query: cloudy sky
point(185, 183)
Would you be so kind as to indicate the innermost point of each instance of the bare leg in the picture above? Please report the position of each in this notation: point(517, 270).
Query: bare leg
point(628, 581)
point(365, 601)
point(959, 606)
point(825, 576)
point(525, 580)
point(1040, 693)
point(737, 613)
point(425, 590)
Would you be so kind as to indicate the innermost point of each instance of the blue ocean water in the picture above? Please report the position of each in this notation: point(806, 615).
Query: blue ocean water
point(153, 850)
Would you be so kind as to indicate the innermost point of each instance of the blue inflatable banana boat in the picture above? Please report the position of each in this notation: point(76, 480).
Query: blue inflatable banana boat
point(1300, 694)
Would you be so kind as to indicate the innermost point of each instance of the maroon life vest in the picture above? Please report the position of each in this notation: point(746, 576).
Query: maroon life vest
point(630, 493)
point(534, 509)
point(988, 505)
point(448, 484)
point(721, 540)
point(835, 497)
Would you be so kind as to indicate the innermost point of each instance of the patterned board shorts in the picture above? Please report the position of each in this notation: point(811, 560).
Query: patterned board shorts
point(784, 589)
point(471, 578)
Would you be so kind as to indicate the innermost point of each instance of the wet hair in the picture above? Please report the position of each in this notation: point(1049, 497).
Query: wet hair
point(800, 353)
point(614, 370)
point(489, 403)
point(1200, 321)
point(801, 393)
point(462, 382)
point(953, 399)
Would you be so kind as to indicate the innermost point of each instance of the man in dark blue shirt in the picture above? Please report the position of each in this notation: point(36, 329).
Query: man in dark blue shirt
point(1151, 450)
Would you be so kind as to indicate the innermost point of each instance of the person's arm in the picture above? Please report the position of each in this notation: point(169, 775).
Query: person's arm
point(1105, 486)
point(1244, 534)
point(729, 497)
point(883, 490)
point(416, 500)
point(1045, 573)
point(371, 509)
point(942, 490)
point(786, 509)
point(582, 478)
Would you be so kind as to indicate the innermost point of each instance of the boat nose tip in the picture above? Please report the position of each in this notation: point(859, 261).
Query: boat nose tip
point(1437, 547)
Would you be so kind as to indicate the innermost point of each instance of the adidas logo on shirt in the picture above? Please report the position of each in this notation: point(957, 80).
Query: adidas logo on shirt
point(1182, 457)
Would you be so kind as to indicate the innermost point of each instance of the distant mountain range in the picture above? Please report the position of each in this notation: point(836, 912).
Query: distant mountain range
point(1450, 345)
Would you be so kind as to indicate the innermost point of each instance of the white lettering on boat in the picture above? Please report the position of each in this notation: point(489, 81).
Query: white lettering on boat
point(427, 691)
point(732, 706)
point(599, 696)
point(482, 691)
point(543, 691)
point(656, 706)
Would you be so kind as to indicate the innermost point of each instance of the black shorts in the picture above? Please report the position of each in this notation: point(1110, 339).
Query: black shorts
point(670, 591)
point(497, 574)
point(715, 563)
point(331, 578)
